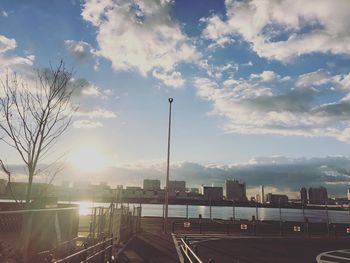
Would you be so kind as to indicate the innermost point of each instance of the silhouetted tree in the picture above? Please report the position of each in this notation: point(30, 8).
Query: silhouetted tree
point(34, 115)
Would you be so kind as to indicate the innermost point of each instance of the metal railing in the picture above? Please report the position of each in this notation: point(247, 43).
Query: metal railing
point(189, 255)
point(109, 226)
point(39, 229)
point(261, 228)
point(100, 252)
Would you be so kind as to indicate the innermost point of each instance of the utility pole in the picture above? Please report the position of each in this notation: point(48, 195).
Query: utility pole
point(167, 171)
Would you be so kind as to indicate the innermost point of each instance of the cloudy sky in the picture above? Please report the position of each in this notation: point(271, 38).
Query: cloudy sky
point(249, 78)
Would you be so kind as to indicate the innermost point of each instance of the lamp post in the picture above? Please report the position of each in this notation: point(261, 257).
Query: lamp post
point(167, 171)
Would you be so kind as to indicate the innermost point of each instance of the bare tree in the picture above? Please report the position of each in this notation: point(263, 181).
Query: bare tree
point(33, 117)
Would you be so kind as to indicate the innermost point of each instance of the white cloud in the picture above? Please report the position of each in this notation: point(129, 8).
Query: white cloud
point(217, 30)
point(83, 87)
point(171, 79)
point(10, 63)
point(315, 78)
point(261, 107)
point(217, 71)
point(140, 35)
point(98, 113)
point(4, 13)
point(265, 76)
point(91, 90)
point(79, 49)
point(321, 77)
point(284, 29)
point(87, 124)
point(6, 43)
point(248, 64)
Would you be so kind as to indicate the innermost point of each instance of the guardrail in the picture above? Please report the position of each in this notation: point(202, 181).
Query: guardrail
point(260, 228)
point(189, 255)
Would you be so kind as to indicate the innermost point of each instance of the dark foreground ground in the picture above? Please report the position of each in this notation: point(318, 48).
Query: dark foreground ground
point(153, 246)
point(268, 250)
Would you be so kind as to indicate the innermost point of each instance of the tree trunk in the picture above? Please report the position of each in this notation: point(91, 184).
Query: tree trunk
point(29, 189)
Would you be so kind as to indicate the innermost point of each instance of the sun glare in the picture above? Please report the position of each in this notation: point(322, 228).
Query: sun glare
point(88, 159)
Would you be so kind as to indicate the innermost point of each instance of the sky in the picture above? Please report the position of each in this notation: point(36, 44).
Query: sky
point(251, 80)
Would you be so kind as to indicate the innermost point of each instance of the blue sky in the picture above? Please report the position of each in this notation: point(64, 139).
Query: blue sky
point(249, 79)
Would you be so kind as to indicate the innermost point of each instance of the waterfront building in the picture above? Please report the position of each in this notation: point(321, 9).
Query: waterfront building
point(262, 194)
point(101, 191)
point(212, 193)
point(303, 196)
point(132, 192)
point(235, 191)
point(257, 198)
point(177, 186)
point(133, 188)
point(318, 196)
point(348, 194)
point(151, 184)
point(19, 189)
point(194, 190)
point(276, 199)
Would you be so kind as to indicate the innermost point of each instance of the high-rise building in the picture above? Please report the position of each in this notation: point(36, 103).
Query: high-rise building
point(318, 196)
point(257, 198)
point(303, 196)
point(151, 184)
point(177, 186)
point(235, 191)
point(276, 199)
point(212, 193)
point(262, 194)
point(348, 194)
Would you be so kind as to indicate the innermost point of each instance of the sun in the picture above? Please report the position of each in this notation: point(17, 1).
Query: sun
point(88, 159)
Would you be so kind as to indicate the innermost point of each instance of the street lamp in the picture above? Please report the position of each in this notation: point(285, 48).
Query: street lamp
point(167, 170)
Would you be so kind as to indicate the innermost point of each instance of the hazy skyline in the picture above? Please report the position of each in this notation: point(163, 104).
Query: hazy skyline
point(249, 78)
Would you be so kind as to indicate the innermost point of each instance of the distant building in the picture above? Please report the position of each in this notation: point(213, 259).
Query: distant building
point(235, 191)
point(303, 196)
point(101, 191)
point(177, 186)
point(133, 188)
point(151, 184)
point(341, 201)
point(81, 184)
point(194, 190)
point(262, 195)
point(19, 189)
point(276, 199)
point(132, 192)
point(212, 193)
point(348, 194)
point(318, 196)
point(257, 198)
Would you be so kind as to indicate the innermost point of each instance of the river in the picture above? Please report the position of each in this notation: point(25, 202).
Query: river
point(222, 212)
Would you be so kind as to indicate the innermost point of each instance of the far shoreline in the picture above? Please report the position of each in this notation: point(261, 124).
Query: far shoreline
point(221, 203)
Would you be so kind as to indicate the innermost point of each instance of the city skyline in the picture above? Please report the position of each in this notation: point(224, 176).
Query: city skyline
point(246, 95)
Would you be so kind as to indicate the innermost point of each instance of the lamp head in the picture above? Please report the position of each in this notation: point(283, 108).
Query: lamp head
point(170, 100)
